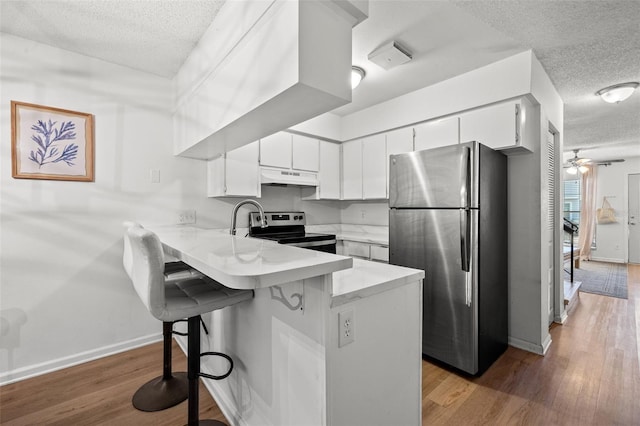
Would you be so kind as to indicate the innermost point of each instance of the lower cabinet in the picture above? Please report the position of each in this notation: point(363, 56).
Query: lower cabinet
point(367, 251)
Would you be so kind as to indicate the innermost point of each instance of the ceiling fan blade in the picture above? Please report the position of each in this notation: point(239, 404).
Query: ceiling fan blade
point(615, 160)
point(581, 161)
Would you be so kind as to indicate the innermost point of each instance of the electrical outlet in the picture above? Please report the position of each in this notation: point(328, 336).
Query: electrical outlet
point(346, 328)
point(186, 217)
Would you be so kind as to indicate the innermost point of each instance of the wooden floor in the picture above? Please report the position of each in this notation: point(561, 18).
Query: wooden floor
point(590, 376)
point(98, 393)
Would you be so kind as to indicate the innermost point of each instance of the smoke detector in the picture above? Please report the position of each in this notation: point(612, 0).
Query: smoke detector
point(390, 55)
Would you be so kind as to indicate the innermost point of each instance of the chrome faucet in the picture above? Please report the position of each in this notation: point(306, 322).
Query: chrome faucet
point(234, 215)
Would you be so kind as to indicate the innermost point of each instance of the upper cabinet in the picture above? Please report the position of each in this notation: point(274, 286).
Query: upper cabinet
point(305, 153)
point(436, 133)
point(399, 141)
point(352, 170)
point(275, 150)
point(497, 126)
point(235, 174)
point(364, 169)
point(287, 151)
point(374, 167)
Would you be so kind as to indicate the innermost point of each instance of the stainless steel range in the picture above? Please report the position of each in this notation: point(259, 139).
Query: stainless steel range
point(289, 228)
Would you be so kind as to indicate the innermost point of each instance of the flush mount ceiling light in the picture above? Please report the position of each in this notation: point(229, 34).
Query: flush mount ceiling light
point(618, 92)
point(357, 74)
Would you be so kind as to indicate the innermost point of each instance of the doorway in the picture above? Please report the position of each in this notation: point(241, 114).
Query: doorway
point(634, 219)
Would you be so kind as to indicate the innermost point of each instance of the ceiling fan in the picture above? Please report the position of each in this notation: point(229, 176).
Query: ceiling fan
point(578, 164)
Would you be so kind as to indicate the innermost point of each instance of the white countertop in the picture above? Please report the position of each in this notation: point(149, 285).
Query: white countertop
point(367, 278)
point(245, 263)
point(251, 263)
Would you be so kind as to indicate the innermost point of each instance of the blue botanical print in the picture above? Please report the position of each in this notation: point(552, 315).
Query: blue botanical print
point(46, 135)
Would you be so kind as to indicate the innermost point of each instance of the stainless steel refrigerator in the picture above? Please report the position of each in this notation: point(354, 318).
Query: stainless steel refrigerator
point(448, 216)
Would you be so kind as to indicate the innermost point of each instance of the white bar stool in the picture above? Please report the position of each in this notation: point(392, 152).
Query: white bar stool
point(171, 388)
point(170, 301)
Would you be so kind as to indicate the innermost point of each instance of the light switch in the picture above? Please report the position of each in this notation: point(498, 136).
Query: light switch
point(155, 175)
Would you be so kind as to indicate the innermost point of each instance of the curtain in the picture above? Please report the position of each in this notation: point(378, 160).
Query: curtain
point(588, 212)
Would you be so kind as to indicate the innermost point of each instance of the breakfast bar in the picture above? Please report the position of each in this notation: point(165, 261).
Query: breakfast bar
point(327, 339)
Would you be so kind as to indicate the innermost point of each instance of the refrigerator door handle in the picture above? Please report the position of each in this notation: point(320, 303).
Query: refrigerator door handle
point(465, 204)
point(465, 236)
point(468, 294)
point(465, 176)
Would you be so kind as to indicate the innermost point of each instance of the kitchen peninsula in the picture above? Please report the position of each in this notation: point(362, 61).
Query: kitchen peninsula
point(295, 364)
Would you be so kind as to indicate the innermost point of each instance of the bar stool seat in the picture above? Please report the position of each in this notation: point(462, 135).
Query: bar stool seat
point(174, 300)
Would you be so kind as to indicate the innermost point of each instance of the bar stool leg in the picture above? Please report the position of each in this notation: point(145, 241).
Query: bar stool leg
point(193, 371)
point(164, 391)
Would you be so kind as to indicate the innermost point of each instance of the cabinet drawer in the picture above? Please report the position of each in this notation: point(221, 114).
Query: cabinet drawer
point(355, 249)
point(380, 253)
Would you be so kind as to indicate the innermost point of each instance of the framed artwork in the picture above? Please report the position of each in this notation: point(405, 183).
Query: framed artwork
point(51, 143)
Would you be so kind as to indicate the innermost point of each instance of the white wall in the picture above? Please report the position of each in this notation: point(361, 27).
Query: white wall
point(64, 297)
point(613, 183)
point(373, 212)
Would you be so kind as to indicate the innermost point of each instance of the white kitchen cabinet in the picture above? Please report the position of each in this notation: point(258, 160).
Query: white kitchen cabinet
point(497, 126)
point(356, 249)
point(304, 153)
point(399, 141)
point(275, 150)
point(379, 253)
point(286, 151)
point(329, 173)
point(352, 170)
point(235, 174)
point(436, 133)
point(374, 167)
point(367, 251)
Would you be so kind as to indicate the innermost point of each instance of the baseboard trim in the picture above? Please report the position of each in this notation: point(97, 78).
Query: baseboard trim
point(30, 371)
point(531, 347)
point(605, 259)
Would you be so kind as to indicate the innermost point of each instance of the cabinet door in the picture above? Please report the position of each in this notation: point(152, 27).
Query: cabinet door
point(242, 175)
point(305, 153)
point(352, 170)
point(379, 253)
point(356, 249)
point(275, 150)
point(398, 142)
point(436, 133)
point(495, 126)
point(329, 173)
point(374, 167)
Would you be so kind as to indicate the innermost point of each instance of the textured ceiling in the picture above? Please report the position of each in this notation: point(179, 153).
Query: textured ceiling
point(152, 36)
point(583, 45)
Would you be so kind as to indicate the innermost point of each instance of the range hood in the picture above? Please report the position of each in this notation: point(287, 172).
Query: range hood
point(287, 177)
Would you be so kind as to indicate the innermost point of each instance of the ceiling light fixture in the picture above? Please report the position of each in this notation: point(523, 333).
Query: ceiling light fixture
point(618, 92)
point(357, 75)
